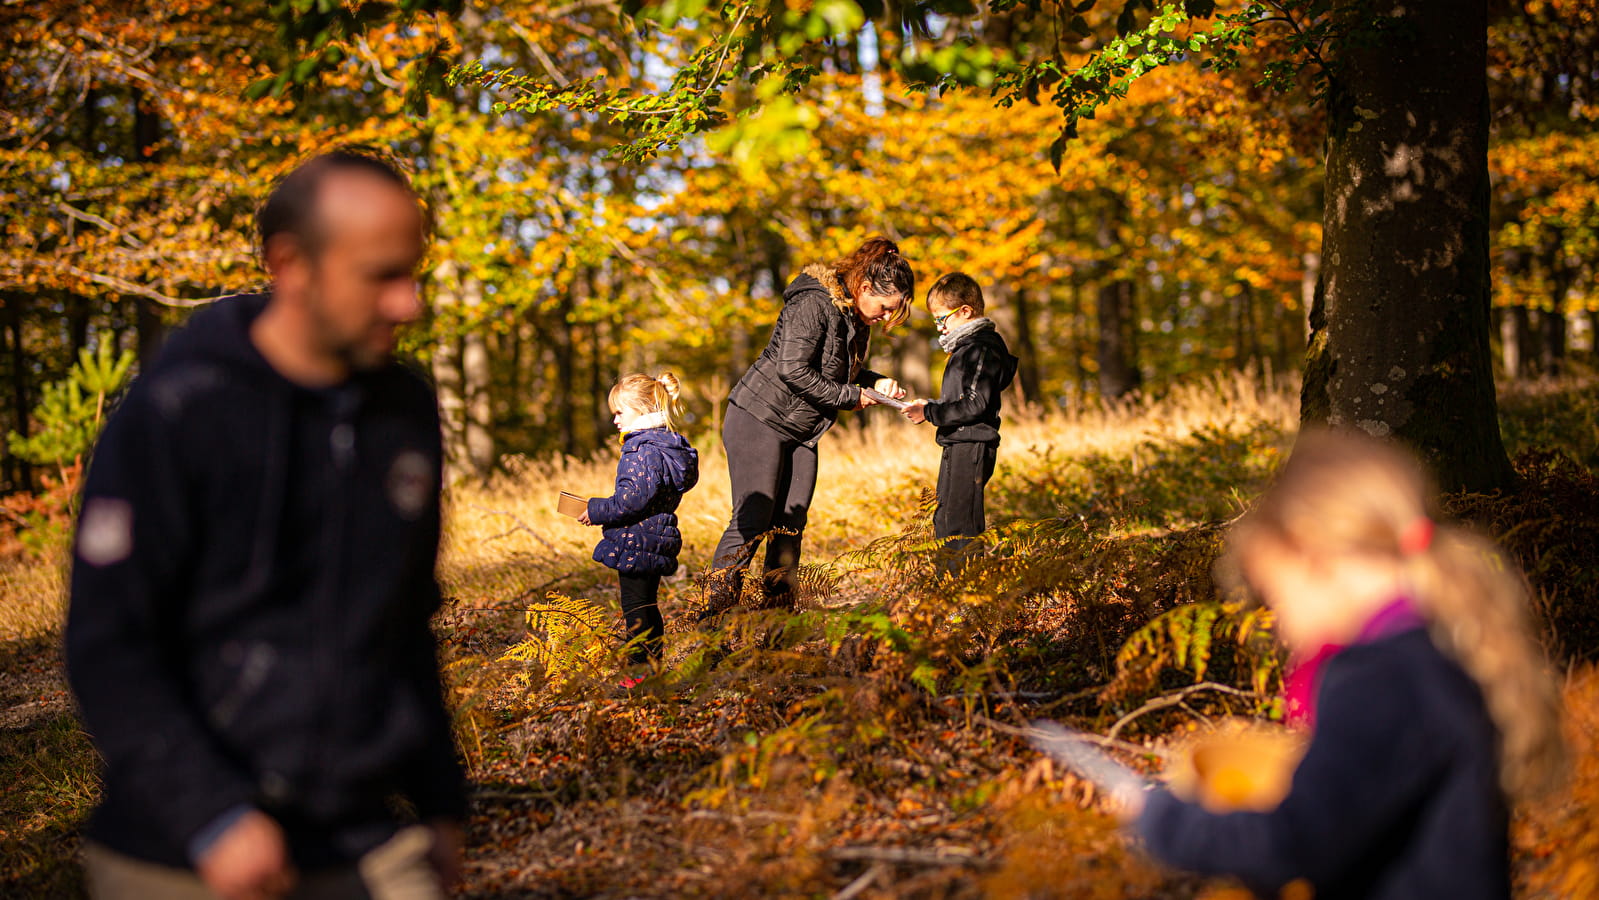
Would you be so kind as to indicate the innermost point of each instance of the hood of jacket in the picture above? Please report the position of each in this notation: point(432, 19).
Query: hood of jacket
point(823, 278)
point(989, 339)
point(679, 459)
point(219, 333)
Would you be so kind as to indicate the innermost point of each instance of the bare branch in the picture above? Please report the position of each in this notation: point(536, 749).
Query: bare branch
point(1175, 698)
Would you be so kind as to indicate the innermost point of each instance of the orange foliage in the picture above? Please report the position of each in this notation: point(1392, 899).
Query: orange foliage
point(1557, 839)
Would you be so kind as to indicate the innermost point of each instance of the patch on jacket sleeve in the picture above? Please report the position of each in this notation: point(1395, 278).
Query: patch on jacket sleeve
point(105, 531)
point(410, 483)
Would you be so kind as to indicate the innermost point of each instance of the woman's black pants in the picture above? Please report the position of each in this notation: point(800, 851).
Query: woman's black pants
point(773, 479)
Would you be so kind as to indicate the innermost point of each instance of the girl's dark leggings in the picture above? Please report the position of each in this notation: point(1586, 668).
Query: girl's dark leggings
point(642, 616)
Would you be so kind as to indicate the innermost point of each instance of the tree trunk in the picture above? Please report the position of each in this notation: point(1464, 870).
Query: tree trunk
point(1118, 375)
point(1514, 336)
point(152, 329)
point(151, 325)
point(565, 367)
point(1024, 348)
point(913, 364)
point(461, 377)
point(1118, 371)
point(1551, 343)
point(1399, 345)
point(21, 401)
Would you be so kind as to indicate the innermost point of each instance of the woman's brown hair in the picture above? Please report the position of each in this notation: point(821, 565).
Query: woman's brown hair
point(877, 265)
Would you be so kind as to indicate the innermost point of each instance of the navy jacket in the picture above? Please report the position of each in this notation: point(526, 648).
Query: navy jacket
point(640, 536)
point(813, 365)
point(1397, 797)
point(252, 582)
point(978, 372)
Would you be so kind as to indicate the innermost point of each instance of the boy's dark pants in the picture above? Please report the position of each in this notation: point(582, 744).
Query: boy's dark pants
point(962, 474)
point(773, 479)
point(642, 616)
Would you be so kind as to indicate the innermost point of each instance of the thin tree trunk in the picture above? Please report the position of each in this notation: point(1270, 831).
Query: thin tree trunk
point(1551, 343)
point(1400, 335)
point(1514, 336)
point(476, 379)
point(1025, 348)
point(21, 400)
point(1118, 375)
point(565, 368)
point(147, 313)
point(1114, 351)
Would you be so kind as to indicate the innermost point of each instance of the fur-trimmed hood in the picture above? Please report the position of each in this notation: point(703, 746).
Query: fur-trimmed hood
point(828, 277)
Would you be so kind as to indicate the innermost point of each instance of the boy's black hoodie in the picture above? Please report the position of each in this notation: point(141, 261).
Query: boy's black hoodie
point(980, 368)
point(251, 588)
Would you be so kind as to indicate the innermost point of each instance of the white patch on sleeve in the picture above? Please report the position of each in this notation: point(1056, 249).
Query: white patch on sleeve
point(105, 531)
point(410, 484)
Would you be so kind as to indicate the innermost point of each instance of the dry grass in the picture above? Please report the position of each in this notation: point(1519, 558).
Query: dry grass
point(32, 600)
point(862, 747)
point(506, 537)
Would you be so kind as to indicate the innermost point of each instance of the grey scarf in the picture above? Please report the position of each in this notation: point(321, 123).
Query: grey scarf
point(952, 339)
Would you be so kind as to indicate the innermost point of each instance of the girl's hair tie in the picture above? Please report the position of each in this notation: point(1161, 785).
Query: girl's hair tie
point(1416, 537)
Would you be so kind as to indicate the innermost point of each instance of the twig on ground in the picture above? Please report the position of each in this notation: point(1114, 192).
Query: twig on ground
point(952, 856)
point(519, 526)
point(866, 880)
point(1110, 742)
point(1175, 698)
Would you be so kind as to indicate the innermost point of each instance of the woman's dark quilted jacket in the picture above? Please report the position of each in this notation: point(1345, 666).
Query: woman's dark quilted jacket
point(813, 365)
point(657, 468)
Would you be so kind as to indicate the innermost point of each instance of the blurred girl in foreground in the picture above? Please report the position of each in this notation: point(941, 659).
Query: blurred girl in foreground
point(1430, 703)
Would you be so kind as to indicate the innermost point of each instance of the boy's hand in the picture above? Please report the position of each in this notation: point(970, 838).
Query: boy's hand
point(584, 519)
point(889, 388)
point(916, 412)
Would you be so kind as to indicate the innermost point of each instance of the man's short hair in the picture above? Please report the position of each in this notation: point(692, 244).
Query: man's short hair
point(291, 206)
point(955, 290)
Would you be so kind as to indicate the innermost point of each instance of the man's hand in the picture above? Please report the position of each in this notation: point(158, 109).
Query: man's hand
point(449, 842)
point(888, 387)
point(250, 861)
point(916, 412)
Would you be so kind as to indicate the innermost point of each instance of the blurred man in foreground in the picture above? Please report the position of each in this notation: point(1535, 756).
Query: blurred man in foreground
point(253, 577)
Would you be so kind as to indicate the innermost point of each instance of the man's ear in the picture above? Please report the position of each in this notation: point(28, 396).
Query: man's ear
point(281, 253)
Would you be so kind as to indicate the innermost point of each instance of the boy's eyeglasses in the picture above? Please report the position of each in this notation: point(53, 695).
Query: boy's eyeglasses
point(938, 321)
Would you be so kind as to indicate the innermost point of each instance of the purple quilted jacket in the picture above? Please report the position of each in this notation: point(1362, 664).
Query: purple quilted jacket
point(657, 468)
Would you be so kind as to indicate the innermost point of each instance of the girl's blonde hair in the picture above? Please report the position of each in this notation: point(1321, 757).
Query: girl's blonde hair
point(1342, 493)
point(647, 394)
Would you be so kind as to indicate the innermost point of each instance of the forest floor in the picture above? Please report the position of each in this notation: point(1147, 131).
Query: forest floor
point(869, 743)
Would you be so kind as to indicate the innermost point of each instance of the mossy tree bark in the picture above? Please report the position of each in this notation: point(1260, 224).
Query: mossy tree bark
point(1399, 343)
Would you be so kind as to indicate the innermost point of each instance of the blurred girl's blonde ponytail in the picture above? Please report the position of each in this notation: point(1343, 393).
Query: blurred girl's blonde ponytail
point(647, 394)
point(1476, 602)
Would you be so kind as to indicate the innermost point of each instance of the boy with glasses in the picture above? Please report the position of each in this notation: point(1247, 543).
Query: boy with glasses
point(967, 412)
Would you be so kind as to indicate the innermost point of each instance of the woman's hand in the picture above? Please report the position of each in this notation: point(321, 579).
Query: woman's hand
point(863, 402)
point(916, 411)
point(888, 387)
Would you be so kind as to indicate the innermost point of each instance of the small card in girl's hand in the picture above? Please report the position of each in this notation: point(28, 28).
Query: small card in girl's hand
point(571, 505)
point(885, 399)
